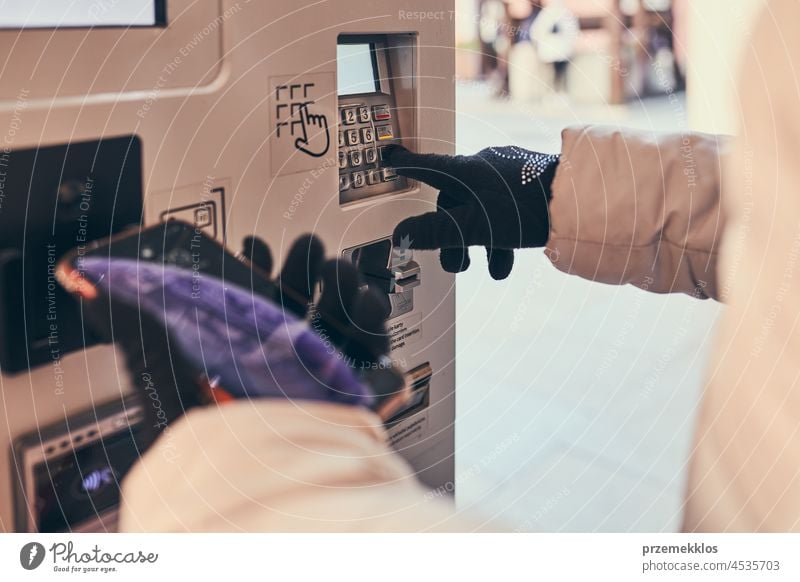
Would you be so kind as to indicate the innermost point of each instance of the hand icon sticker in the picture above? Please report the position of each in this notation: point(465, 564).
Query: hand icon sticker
point(315, 138)
point(302, 118)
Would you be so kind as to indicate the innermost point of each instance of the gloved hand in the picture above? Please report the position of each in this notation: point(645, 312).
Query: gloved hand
point(190, 341)
point(351, 319)
point(497, 198)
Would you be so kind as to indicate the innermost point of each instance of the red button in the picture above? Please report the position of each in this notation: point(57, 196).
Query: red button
point(381, 113)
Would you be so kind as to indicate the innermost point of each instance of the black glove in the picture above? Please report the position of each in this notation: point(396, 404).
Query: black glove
point(352, 319)
point(497, 198)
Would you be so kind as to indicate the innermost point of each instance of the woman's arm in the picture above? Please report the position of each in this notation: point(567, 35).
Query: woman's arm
point(640, 208)
point(273, 465)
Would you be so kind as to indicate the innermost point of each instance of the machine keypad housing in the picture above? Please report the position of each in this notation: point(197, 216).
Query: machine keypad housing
point(367, 124)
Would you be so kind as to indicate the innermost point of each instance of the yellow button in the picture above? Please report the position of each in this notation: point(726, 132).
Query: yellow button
point(384, 132)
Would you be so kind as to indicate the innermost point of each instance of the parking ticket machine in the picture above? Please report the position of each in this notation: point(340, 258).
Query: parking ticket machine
point(238, 116)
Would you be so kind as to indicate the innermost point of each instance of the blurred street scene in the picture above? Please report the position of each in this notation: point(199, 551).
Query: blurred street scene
point(588, 51)
point(579, 417)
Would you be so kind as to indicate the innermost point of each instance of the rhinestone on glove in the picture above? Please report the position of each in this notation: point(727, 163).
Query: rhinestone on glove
point(533, 163)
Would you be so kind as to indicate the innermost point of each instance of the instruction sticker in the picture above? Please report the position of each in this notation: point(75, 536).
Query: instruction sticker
point(202, 205)
point(405, 332)
point(302, 122)
point(410, 433)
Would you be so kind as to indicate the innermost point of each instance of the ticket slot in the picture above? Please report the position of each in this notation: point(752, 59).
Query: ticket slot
point(419, 380)
point(388, 270)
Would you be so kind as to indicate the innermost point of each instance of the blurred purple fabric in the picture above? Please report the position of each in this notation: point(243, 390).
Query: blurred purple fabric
point(247, 344)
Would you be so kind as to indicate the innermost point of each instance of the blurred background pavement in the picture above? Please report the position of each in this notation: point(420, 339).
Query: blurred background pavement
point(576, 400)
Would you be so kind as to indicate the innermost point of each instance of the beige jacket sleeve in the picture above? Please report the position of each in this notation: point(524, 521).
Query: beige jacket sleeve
point(280, 466)
point(634, 207)
point(745, 470)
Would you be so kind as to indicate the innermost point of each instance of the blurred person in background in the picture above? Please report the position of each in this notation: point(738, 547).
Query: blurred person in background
point(490, 14)
point(554, 32)
point(503, 24)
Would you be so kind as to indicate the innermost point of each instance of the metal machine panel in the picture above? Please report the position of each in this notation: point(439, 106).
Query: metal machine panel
point(202, 97)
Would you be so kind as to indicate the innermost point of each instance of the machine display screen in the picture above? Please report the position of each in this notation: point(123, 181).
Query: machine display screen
point(83, 484)
point(357, 69)
point(80, 13)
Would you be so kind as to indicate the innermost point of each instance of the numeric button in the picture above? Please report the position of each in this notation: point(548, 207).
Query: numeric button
point(371, 155)
point(352, 137)
point(349, 115)
point(358, 179)
point(363, 114)
point(356, 158)
point(367, 135)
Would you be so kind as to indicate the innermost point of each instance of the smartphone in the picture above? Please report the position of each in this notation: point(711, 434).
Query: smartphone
point(175, 243)
point(180, 244)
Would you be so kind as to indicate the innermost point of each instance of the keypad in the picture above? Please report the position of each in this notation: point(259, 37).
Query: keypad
point(365, 130)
